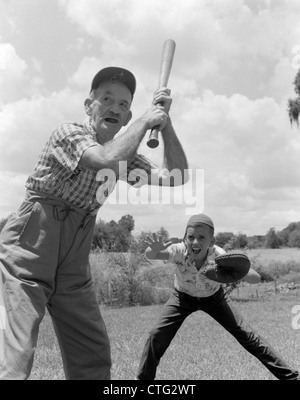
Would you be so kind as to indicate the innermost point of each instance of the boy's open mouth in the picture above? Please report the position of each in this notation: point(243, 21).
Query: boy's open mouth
point(196, 250)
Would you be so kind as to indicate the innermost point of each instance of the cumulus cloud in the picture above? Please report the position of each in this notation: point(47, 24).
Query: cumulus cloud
point(12, 69)
point(216, 40)
point(26, 125)
point(231, 77)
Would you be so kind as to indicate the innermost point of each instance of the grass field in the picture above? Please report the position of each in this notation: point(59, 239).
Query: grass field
point(283, 255)
point(201, 350)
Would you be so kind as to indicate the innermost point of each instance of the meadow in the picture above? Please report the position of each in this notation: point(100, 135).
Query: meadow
point(201, 350)
point(283, 254)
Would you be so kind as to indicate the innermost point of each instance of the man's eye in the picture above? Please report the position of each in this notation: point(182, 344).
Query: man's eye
point(124, 106)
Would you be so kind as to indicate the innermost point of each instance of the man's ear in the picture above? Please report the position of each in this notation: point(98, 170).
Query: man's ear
point(212, 242)
point(129, 116)
point(87, 106)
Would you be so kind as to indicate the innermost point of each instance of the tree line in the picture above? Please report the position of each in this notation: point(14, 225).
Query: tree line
point(287, 237)
point(117, 237)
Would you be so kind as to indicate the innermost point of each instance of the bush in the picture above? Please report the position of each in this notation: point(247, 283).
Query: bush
point(273, 270)
point(128, 279)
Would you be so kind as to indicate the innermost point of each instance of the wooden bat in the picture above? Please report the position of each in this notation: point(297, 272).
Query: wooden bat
point(164, 73)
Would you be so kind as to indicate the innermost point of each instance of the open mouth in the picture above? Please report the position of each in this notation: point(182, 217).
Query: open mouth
point(111, 120)
point(196, 250)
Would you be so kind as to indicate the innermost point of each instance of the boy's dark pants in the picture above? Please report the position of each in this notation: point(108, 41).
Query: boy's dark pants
point(180, 306)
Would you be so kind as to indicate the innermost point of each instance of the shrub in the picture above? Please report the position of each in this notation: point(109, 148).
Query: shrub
point(273, 270)
point(127, 279)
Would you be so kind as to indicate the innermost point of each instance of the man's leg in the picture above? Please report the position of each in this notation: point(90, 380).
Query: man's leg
point(81, 333)
point(74, 309)
point(22, 312)
point(174, 313)
point(222, 310)
point(27, 269)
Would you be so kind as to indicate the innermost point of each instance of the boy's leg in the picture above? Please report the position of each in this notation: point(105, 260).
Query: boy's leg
point(222, 310)
point(174, 313)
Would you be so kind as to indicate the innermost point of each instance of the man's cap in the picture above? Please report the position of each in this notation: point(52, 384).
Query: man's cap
point(119, 74)
point(200, 219)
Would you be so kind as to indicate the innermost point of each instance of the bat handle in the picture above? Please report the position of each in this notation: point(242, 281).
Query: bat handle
point(153, 141)
point(153, 138)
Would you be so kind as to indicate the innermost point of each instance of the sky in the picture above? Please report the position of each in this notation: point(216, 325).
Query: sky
point(232, 75)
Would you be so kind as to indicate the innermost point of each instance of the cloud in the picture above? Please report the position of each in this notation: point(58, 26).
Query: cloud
point(12, 188)
point(26, 125)
point(223, 45)
point(231, 78)
point(12, 69)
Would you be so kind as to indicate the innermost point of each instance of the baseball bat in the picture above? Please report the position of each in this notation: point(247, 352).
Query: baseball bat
point(164, 73)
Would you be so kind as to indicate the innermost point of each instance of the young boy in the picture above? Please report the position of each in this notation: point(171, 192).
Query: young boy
point(193, 292)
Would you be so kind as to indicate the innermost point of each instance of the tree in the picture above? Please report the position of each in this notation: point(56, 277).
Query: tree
point(223, 238)
point(272, 240)
point(102, 236)
point(239, 241)
point(284, 235)
point(127, 222)
point(294, 104)
point(294, 239)
point(114, 236)
point(256, 241)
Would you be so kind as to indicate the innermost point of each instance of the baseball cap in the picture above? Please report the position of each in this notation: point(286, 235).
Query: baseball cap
point(200, 219)
point(120, 74)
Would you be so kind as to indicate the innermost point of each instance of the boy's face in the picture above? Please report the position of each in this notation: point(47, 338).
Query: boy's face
point(198, 239)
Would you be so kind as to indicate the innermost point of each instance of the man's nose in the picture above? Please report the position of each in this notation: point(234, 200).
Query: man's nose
point(115, 109)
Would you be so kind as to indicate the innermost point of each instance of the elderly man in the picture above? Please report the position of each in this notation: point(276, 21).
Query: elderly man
point(45, 245)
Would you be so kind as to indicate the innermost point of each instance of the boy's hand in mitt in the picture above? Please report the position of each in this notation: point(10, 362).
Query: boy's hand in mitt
point(228, 268)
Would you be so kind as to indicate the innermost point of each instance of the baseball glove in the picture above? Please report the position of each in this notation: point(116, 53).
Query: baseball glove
point(228, 268)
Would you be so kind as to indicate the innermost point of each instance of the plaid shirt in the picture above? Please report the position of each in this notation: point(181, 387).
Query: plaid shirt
point(58, 172)
point(187, 278)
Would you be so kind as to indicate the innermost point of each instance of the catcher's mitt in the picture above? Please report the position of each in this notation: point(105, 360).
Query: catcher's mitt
point(228, 268)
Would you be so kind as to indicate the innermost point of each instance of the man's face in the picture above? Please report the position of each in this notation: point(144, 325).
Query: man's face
point(198, 239)
point(110, 110)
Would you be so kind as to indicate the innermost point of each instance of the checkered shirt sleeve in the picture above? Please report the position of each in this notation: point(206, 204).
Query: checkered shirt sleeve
point(67, 145)
point(58, 172)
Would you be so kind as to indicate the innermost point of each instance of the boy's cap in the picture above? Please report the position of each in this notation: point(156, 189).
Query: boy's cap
point(120, 74)
point(200, 219)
